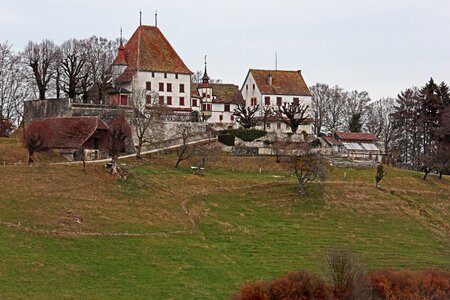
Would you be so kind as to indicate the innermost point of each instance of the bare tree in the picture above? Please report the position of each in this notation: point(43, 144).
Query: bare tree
point(321, 98)
point(35, 139)
point(355, 106)
point(207, 152)
point(99, 54)
point(292, 114)
point(246, 116)
point(197, 78)
point(119, 133)
point(148, 115)
point(42, 59)
point(267, 114)
point(379, 121)
point(335, 109)
point(184, 151)
point(346, 272)
point(308, 167)
point(72, 62)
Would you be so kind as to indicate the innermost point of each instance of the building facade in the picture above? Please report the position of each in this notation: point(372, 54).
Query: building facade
point(273, 88)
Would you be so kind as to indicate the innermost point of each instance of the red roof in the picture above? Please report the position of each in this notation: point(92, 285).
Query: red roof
point(121, 57)
point(283, 82)
point(225, 93)
point(70, 132)
point(356, 136)
point(331, 140)
point(155, 53)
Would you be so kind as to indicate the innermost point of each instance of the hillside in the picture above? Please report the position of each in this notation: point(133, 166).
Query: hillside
point(167, 233)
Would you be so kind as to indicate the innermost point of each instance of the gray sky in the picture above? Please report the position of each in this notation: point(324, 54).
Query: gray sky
point(379, 46)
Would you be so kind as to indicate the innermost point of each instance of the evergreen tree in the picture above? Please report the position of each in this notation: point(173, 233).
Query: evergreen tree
point(355, 123)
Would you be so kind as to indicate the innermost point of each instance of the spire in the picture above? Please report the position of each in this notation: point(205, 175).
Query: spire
point(140, 17)
point(121, 40)
point(205, 77)
point(156, 18)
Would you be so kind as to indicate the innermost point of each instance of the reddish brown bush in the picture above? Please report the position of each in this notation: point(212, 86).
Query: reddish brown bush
point(35, 138)
point(295, 285)
point(6, 127)
point(430, 284)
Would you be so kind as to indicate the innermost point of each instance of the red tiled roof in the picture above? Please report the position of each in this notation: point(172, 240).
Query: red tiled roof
point(283, 82)
point(121, 57)
point(156, 53)
point(226, 93)
point(70, 132)
point(331, 140)
point(356, 136)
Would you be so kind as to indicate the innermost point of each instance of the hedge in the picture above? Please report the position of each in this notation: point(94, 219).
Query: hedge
point(247, 135)
point(226, 139)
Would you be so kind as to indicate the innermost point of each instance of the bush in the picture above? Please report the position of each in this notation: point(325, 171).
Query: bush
point(247, 135)
point(429, 284)
point(226, 139)
point(295, 285)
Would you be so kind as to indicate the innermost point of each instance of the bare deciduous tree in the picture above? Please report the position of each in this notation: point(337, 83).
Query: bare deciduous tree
point(184, 151)
point(246, 116)
point(206, 153)
point(292, 114)
point(321, 98)
point(35, 139)
point(148, 115)
point(42, 59)
point(119, 133)
point(308, 167)
point(72, 62)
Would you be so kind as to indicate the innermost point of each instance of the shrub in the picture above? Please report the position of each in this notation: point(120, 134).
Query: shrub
point(247, 135)
point(6, 127)
point(226, 139)
point(295, 285)
point(429, 284)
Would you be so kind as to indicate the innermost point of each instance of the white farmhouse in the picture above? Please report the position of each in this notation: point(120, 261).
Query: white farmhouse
point(149, 62)
point(216, 102)
point(271, 88)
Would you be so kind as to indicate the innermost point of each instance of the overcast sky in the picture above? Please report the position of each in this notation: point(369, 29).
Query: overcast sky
point(380, 46)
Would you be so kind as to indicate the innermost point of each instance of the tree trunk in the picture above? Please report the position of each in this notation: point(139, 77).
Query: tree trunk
point(302, 188)
point(30, 157)
point(114, 163)
point(178, 162)
point(41, 93)
point(440, 175)
point(294, 128)
point(425, 176)
point(138, 151)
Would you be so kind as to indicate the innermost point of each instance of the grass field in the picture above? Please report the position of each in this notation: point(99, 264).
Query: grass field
point(166, 233)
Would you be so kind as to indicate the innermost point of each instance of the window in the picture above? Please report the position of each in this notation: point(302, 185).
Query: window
point(181, 101)
point(204, 95)
point(165, 75)
point(232, 118)
point(227, 107)
point(194, 102)
point(253, 86)
point(148, 86)
point(181, 88)
point(268, 125)
point(206, 107)
point(169, 100)
point(161, 100)
point(279, 101)
point(267, 100)
point(246, 87)
point(220, 118)
point(153, 74)
point(296, 101)
point(148, 99)
point(169, 87)
point(123, 100)
point(176, 76)
point(278, 125)
point(253, 101)
point(161, 86)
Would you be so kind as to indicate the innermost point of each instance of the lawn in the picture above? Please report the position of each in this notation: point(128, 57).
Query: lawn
point(165, 233)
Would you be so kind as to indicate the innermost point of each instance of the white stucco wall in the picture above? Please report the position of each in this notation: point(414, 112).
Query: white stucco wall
point(143, 77)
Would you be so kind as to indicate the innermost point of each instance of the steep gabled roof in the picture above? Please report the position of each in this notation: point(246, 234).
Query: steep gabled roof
point(225, 93)
point(356, 136)
point(155, 53)
point(283, 82)
point(70, 132)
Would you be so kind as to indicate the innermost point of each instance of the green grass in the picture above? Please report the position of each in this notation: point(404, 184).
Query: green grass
point(241, 225)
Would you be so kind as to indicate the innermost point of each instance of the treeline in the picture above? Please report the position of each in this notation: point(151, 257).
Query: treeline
point(414, 127)
point(76, 69)
point(345, 278)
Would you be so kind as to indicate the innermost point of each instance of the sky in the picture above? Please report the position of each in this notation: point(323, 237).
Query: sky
point(379, 46)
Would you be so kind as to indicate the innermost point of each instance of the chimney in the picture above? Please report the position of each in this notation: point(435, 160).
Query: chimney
point(269, 79)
